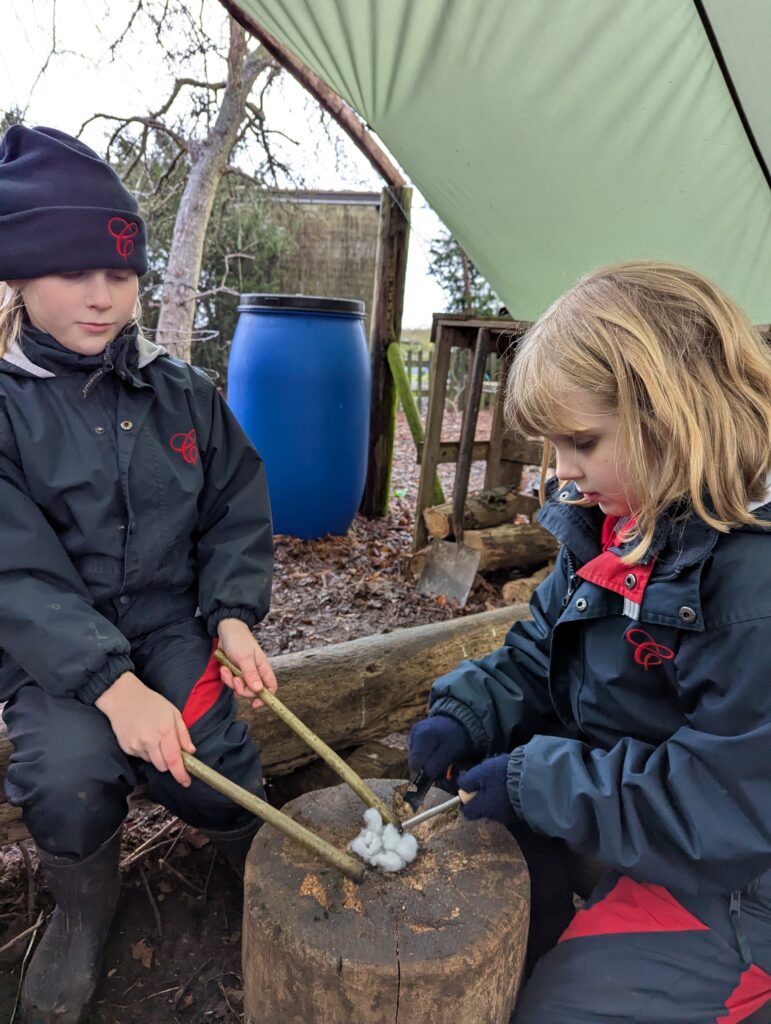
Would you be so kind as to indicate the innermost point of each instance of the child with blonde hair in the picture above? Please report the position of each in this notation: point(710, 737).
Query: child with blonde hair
point(135, 537)
point(629, 722)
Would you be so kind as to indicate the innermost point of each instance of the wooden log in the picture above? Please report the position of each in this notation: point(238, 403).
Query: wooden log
point(347, 693)
point(522, 590)
point(503, 547)
point(442, 941)
point(376, 760)
point(482, 510)
point(512, 546)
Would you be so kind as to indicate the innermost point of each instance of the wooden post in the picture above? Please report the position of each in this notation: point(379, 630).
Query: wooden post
point(409, 405)
point(386, 323)
point(440, 363)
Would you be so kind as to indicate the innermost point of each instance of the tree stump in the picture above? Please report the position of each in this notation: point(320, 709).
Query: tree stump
point(442, 941)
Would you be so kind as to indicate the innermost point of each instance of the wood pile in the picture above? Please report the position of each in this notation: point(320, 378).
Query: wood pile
point(490, 526)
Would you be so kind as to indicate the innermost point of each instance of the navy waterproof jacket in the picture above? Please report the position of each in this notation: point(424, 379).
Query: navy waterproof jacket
point(643, 743)
point(130, 499)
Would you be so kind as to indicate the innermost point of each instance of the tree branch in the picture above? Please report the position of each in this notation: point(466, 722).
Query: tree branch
point(150, 122)
point(329, 100)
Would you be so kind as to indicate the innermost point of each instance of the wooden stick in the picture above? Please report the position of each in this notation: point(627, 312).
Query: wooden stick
point(354, 869)
point(326, 753)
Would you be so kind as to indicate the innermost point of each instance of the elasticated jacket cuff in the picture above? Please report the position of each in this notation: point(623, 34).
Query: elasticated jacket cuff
point(514, 778)
point(247, 615)
point(98, 682)
point(461, 713)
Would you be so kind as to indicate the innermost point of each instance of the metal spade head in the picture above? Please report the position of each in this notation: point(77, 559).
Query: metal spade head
point(449, 570)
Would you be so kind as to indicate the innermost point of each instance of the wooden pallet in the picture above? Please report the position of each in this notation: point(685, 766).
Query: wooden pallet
point(504, 453)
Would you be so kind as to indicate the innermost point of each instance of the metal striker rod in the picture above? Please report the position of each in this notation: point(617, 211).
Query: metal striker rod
point(326, 753)
point(350, 867)
point(431, 812)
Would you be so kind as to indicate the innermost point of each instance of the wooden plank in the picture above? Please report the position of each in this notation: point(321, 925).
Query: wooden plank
point(497, 429)
point(386, 323)
point(348, 693)
point(512, 450)
point(515, 328)
point(429, 450)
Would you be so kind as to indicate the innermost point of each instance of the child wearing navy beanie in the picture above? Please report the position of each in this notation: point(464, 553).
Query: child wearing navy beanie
point(136, 539)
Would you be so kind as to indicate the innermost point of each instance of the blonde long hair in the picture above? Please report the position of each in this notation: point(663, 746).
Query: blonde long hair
point(11, 316)
point(688, 375)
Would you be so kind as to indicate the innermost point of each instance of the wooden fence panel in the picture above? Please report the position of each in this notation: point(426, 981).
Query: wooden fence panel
point(417, 360)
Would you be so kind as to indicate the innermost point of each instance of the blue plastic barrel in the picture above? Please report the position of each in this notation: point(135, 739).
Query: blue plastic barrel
point(299, 384)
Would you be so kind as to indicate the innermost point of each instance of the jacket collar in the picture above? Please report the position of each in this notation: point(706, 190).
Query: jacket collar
point(39, 355)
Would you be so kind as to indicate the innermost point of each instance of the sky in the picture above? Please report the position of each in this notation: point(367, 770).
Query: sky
point(83, 79)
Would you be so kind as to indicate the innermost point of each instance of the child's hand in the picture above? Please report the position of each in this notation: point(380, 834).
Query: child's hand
point(237, 641)
point(437, 742)
point(484, 792)
point(147, 725)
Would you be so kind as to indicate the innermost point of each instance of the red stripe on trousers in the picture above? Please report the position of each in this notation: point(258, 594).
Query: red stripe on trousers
point(752, 992)
point(633, 907)
point(205, 692)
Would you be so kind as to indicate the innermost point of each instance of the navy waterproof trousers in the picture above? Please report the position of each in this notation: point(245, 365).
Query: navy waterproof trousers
point(635, 954)
point(71, 778)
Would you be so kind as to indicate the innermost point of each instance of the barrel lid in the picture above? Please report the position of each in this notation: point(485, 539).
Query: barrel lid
point(307, 303)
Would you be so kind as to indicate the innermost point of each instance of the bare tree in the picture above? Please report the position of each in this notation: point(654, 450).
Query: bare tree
point(230, 116)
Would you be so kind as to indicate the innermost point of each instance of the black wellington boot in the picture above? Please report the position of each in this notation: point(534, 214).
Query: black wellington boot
point(64, 970)
point(234, 845)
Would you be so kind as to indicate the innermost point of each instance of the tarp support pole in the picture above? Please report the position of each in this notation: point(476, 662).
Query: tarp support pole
point(385, 330)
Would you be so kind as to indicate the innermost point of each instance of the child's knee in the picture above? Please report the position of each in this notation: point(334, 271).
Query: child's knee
point(74, 817)
point(72, 802)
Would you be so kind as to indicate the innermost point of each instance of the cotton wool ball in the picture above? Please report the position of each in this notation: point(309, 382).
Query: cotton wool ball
point(388, 860)
point(391, 838)
point(385, 848)
point(373, 820)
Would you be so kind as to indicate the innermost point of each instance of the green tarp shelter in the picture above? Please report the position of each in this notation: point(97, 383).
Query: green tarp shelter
point(553, 136)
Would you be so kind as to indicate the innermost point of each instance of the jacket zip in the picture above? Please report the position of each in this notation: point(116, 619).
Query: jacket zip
point(735, 912)
point(573, 579)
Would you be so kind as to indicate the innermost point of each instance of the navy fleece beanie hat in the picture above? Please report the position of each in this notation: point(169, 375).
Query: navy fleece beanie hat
point(62, 208)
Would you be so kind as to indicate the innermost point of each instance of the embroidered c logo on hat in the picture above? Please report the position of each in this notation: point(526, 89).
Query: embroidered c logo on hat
point(123, 231)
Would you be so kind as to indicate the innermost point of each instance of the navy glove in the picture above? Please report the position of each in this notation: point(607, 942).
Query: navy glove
point(437, 742)
point(488, 781)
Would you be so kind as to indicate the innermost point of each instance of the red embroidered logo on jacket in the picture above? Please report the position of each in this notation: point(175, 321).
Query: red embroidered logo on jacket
point(186, 445)
point(123, 231)
point(648, 652)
